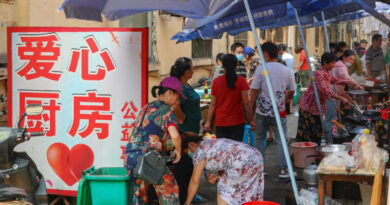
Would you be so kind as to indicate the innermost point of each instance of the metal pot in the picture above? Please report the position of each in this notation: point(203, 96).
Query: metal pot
point(360, 96)
point(310, 176)
point(329, 149)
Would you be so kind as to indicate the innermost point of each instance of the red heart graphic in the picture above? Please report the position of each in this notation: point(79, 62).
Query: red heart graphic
point(68, 165)
point(80, 159)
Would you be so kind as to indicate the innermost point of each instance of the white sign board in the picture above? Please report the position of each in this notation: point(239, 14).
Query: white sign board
point(91, 82)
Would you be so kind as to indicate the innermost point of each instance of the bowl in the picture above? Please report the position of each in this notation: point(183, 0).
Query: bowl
point(329, 149)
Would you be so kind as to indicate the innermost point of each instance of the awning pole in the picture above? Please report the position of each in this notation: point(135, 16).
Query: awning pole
point(274, 105)
point(352, 35)
point(325, 31)
point(328, 140)
point(328, 49)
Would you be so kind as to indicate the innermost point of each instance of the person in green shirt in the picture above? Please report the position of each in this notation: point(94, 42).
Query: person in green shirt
point(188, 115)
point(357, 66)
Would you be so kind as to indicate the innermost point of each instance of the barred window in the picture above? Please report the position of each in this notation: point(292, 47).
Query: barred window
point(202, 48)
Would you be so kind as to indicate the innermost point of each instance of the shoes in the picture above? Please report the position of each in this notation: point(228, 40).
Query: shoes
point(199, 199)
point(284, 174)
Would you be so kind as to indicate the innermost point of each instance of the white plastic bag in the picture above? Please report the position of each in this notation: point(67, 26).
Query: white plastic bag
point(310, 197)
point(366, 153)
point(307, 197)
point(339, 161)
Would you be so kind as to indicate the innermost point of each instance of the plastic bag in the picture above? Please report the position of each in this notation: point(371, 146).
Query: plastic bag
point(310, 197)
point(373, 157)
point(366, 153)
point(339, 161)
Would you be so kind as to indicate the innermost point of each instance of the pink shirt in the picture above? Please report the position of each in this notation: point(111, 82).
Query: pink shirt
point(324, 79)
point(340, 70)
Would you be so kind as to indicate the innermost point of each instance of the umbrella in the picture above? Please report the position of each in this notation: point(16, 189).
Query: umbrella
point(115, 9)
point(308, 16)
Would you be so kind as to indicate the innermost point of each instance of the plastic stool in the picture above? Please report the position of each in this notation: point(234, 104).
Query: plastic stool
point(251, 134)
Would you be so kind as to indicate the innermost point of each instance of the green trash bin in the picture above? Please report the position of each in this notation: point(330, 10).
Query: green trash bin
point(107, 185)
point(297, 97)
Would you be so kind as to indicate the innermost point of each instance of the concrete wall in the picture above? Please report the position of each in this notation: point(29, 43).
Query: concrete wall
point(8, 17)
point(44, 13)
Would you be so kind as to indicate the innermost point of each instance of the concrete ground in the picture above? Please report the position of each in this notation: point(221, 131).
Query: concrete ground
point(276, 190)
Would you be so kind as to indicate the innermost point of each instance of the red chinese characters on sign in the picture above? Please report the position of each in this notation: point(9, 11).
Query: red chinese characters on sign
point(123, 148)
point(93, 48)
point(129, 111)
point(41, 54)
point(45, 122)
point(90, 108)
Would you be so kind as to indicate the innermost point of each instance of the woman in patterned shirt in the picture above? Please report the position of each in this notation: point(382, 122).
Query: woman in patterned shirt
point(309, 123)
point(238, 169)
point(158, 131)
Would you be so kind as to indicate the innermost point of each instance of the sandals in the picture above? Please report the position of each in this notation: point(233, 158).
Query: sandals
point(199, 199)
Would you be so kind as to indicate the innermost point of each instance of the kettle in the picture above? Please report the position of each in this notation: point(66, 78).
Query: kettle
point(310, 176)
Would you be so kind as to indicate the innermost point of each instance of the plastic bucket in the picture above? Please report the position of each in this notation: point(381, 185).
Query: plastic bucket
point(110, 185)
point(260, 203)
point(298, 94)
point(300, 152)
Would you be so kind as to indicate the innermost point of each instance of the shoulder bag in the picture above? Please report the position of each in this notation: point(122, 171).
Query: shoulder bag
point(151, 165)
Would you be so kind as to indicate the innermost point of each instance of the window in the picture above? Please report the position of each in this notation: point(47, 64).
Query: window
point(317, 36)
point(279, 35)
point(202, 48)
point(242, 38)
point(262, 34)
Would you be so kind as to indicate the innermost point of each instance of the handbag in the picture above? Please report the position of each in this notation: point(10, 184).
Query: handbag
point(151, 166)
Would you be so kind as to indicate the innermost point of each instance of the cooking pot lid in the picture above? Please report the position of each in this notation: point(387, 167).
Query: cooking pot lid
point(358, 130)
point(357, 92)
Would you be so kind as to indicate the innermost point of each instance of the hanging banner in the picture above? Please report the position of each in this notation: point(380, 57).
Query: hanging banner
point(91, 83)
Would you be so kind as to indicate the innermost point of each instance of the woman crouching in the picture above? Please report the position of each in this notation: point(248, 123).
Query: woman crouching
point(239, 166)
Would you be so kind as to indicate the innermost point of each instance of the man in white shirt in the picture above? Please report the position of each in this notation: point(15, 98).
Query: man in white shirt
point(289, 59)
point(283, 85)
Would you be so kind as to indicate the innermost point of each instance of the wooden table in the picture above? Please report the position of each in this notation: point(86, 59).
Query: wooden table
point(325, 180)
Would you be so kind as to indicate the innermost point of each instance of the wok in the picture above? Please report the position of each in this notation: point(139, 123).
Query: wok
point(362, 97)
point(361, 118)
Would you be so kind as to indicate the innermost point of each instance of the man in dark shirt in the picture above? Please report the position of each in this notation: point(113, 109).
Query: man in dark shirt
point(237, 49)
